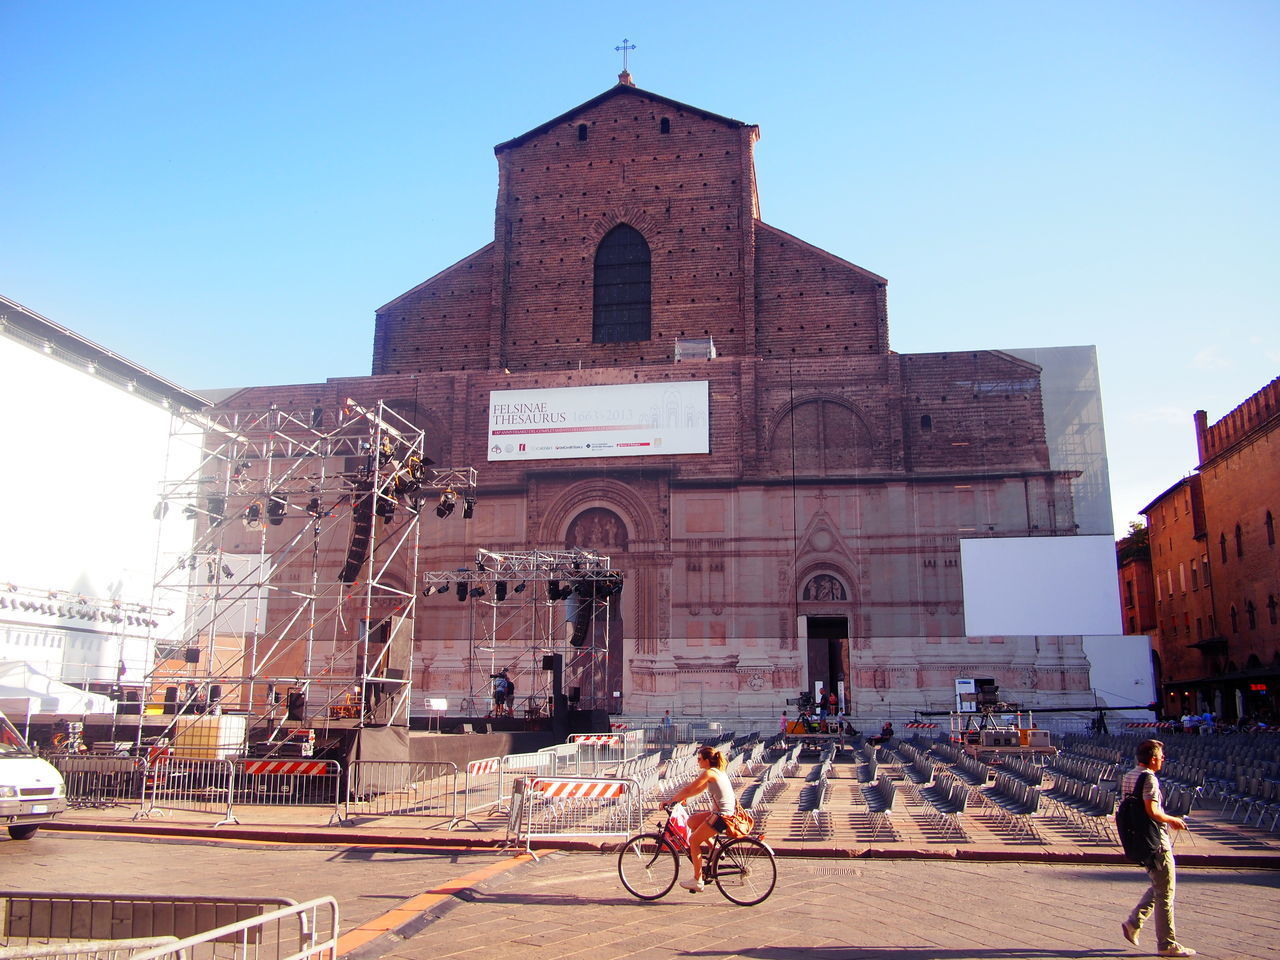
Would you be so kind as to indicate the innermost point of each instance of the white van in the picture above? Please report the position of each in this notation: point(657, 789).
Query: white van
point(31, 789)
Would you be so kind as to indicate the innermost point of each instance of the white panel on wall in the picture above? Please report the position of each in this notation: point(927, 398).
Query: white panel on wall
point(1028, 586)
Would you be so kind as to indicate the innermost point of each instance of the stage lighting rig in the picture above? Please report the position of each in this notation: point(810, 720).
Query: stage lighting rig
point(448, 500)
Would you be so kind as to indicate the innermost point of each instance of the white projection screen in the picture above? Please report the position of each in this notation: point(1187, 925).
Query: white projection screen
point(627, 420)
point(1040, 586)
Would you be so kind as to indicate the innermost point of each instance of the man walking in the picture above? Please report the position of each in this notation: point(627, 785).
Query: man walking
point(1159, 896)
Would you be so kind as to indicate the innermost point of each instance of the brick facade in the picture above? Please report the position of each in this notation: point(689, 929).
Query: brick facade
point(841, 474)
point(1216, 567)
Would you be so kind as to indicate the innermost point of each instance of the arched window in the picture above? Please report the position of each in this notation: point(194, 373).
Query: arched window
point(1271, 609)
point(1270, 524)
point(1252, 613)
point(1222, 545)
point(1239, 542)
point(664, 125)
point(620, 311)
point(926, 423)
point(582, 131)
point(1235, 619)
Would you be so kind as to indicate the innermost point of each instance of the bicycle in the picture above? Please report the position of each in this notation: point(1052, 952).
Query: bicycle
point(742, 868)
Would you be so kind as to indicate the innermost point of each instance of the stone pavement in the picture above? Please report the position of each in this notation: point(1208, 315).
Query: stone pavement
point(572, 905)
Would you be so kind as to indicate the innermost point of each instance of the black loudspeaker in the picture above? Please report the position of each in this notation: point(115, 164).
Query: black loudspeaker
point(574, 694)
point(191, 655)
point(361, 532)
point(548, 661)
point(170, 699)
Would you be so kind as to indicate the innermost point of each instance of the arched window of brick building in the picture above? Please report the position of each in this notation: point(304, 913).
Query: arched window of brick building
point(1222, 545)
point(1271, 609)
point(620, 311)
point(664, 125)
point(582, 131)
point(1271, 529)
point(1251, 612)
point(1235, 619)
point(1239, 542)
point(820, 437)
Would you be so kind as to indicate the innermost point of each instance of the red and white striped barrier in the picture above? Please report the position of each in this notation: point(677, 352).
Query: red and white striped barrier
point(558, 807)
point(575, 788)
point(619, 726)
point(299, 768)
point(478, 768)
point(596, 739)
point(922, 726)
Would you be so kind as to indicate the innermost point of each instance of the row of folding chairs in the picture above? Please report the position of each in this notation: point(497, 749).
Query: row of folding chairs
point(1089, 806)
point(947, 798)
point(881, 797)
point(1016, 804)
point(1083, 768)
point(1257, 799)
point(1028, 771)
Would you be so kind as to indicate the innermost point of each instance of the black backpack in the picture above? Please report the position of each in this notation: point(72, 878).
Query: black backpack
point(1139, 834)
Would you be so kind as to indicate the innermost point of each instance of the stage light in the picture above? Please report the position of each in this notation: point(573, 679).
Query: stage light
point(217, 509)
point(161, 509)
point(500, 590)
point(520, 587)
point(477, 591)
point(227, 571)
point(462, 590)
point(468, 507)
point(553, 590)
point(253, 516)
point(443, 588)
point(448, 500)
point(276, 507)
point(314, 508)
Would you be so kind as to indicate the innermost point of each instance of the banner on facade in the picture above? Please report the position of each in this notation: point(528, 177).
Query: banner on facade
point(625, 420)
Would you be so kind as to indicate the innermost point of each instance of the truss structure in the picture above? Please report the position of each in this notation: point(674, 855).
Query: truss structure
point(299, 586)
point(534, 604)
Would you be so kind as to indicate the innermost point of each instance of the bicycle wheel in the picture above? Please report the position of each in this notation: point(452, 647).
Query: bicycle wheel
point(648, 866)
point(745, 871)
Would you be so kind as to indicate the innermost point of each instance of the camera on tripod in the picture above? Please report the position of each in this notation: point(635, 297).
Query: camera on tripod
point(804, 701)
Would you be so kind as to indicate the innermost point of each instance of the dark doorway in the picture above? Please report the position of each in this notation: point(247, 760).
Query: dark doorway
point(828, 642)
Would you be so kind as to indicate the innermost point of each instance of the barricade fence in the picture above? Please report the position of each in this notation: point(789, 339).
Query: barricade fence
point(287, 782)
point(579, 807)
point(177, 783)
point(305, 931)
point(482, 790)
point(387, 788)
point(101, 781)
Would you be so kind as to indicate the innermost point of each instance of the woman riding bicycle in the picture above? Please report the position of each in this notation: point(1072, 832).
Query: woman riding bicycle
point(703, 826)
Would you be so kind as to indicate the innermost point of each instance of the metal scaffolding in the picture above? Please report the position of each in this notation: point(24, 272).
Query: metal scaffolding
point(535, 604)
point(281, 501)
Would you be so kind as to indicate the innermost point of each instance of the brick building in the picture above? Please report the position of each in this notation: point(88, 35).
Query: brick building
point(1216, 567)
point(1137, 585)
point(817, 541)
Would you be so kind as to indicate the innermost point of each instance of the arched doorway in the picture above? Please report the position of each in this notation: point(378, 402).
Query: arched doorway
point(824, 602)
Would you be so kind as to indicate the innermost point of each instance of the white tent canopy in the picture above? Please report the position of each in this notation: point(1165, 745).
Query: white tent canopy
point(21, 682)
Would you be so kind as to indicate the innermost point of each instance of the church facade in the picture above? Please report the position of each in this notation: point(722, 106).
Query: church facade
point(817, 539)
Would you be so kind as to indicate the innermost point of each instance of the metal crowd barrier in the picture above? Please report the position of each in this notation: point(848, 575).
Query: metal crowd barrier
point(288, 783)
point(176, 783)
point(304, 931)
point(101, 781)
point(597, 752)
point(517, 765)
point(412, 788)
point(481, 791)
point(88, 926)
point(591, 807)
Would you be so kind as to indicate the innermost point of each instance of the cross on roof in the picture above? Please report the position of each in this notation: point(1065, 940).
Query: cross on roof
point(626, 45)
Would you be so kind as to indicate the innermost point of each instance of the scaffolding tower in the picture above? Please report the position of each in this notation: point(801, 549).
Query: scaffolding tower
point(280, 501)
point(535, 605)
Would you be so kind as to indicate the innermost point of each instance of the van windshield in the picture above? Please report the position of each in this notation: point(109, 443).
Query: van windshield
point(11, 742)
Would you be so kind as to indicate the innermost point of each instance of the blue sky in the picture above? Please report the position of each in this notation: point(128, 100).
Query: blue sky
point(226, 192)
